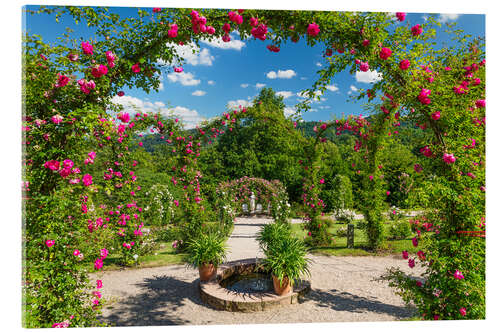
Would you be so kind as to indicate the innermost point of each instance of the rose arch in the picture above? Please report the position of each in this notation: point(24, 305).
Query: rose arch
point(244, 194)
point(79, 180)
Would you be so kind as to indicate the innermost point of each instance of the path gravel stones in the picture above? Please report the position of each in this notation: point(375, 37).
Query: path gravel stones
point(343, 289)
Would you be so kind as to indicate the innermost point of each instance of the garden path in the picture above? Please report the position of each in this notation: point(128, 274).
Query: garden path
point(343, 289)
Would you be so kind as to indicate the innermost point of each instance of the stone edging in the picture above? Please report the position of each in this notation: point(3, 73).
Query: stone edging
point(220, 298)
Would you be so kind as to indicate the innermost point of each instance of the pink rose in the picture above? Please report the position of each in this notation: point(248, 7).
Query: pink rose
point(385, 53)
point(178, 69)
point(313, 29)
point(98, 264)
point(73, 57)
point(401, 16)
point(87, 180)
point(449, 158)
point(404, 64)
point(480, 103)
point(124, 117)
point(57, 119)
point(49, 242)
point(87, 48)
point(103, 253)
point(364, 67)
point(62, 80)
point(136, 68)
point(52, 165)
point(458, 275)
point(436, 115)
point(423, 97)
point(463, 311)
point(405, 254)
point(99, 71)
point(416, 30)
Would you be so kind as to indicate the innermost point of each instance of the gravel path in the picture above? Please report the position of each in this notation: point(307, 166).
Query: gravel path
point(343, 289)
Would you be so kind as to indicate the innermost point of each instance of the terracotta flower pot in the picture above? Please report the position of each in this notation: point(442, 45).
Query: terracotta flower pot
point(282, 289)
point(207, 272)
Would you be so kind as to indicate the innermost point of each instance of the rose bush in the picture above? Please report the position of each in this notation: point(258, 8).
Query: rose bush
point(77, 173)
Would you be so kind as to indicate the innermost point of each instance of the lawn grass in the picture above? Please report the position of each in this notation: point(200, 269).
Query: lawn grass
point(388, 247)
point(164, 256)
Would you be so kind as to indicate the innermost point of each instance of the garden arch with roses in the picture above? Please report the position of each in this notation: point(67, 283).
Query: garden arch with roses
point(79, 180)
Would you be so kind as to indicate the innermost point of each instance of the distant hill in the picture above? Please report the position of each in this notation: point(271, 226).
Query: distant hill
point(151, 142)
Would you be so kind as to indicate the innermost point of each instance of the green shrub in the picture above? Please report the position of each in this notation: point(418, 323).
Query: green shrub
point(399, 229)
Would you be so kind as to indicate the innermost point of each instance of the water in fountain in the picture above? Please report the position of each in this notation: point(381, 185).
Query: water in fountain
point(250, 283)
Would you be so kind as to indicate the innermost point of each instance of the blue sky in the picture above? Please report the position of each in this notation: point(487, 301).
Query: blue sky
point(231, 74)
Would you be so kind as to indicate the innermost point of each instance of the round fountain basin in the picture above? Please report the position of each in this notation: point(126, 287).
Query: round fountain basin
point(245, 286)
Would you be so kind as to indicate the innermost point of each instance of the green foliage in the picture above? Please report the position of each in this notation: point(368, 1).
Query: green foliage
point(207, 248)
point(261, 145)
point(399, 229)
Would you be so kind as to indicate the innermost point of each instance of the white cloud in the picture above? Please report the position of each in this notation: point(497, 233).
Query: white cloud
point(352, 89)
point(260, 85)
point(319, 64)
point(322, 107)
point(233, 44)
point(288, 111)
point(202, 57)
point(304, 95)
point(332, 87)
point(284, 94)
point(443, 18)
point(211, 82)
point(190, 118)
point(244, 85)
point(368, 77)
point(184, 78)
point(130, 104)
point(238, 102)
point(303, 78)
point(198, 93)
point(286, 74)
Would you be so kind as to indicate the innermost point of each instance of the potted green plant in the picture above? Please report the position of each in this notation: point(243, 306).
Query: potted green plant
point(271, 232)
point(206, 252)
point(286, 259)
